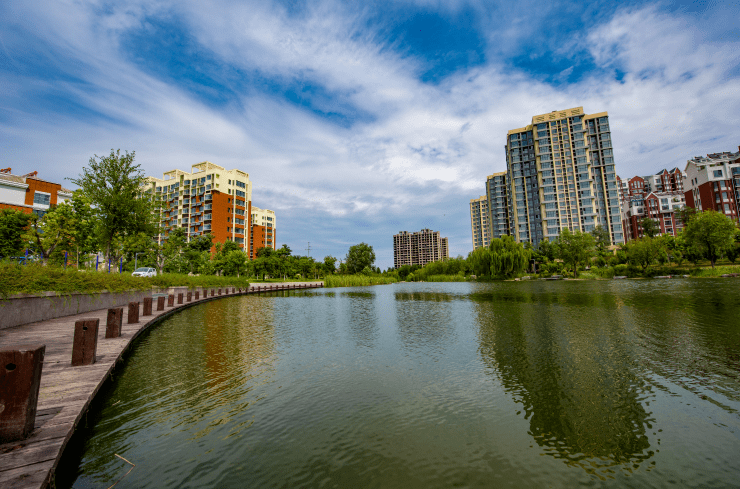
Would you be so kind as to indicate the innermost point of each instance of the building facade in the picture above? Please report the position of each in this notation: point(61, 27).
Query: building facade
point(498, 204)
point(713, 182)
point(479, 223)
point(561, 175)
point(661, 207)
point(656, 196)
point(262, 231)
point(208, 199)
point(28, 193)
point(419, 248)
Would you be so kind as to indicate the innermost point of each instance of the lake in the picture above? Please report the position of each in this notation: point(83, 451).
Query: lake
point(629, 383)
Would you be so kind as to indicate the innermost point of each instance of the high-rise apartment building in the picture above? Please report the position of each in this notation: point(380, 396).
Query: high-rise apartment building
point(208, 199)
point(479, 221)
point(713, 182)
point(561, 175)
point(498, 205)
point(419, 248)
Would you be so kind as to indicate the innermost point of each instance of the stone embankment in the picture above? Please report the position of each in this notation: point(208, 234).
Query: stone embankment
point(65, 391)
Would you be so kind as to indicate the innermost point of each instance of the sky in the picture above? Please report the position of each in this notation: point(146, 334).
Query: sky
point(357, 120)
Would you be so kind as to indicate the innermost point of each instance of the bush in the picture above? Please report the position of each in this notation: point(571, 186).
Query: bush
point(357, 280)
point(34, 279)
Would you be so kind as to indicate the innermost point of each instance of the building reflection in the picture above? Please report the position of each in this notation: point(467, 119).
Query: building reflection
point(563, 356)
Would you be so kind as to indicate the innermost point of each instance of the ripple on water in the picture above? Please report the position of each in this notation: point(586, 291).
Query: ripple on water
point(626, 383)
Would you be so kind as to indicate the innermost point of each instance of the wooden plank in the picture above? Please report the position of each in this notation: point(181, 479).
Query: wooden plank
point(30, 476)
point(32, 454)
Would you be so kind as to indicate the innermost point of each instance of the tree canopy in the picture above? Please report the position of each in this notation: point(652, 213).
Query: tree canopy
point(711, 233)
point(13, 224)
point(575, 248)
point(359, 256)
point(113, 184)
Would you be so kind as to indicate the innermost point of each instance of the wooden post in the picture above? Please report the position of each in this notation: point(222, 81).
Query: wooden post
point(171, 300)
point(219, 291)
point(20, 379)
point(190, 296)
point(133, 312)
point(147, 307)
point(197, 295)
point(179, 298)
point(85, 341)
point(160, 303)
point(114, 322)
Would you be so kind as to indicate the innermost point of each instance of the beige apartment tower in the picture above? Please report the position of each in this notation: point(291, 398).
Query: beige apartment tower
point(480, 221)
point(561, 175)
point(419, 248)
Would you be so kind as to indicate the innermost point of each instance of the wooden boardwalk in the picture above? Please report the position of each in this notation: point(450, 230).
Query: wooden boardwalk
point(66, 391)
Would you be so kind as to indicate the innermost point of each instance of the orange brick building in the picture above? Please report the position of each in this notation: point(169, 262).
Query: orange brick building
point(209, 199)
point(28, 193)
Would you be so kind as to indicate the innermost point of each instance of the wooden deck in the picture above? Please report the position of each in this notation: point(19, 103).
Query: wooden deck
point(66, 391)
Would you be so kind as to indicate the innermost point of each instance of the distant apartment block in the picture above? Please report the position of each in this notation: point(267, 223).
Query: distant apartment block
point(419, 248)
point(561, 175)
point(498, 205)
point(208, 199)
point(28, 193)
point(479, 221)
point(262, 231)
point(713, 182)
point(656, 196)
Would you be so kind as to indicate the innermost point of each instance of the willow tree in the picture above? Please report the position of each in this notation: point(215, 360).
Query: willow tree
point(508, 258)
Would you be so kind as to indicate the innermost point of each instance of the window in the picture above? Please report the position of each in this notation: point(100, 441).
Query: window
point(41, 198)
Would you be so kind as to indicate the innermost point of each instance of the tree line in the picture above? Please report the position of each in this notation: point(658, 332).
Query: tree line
point(109, 214)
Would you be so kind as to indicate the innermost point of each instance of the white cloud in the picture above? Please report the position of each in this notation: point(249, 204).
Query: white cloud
point(416, 161)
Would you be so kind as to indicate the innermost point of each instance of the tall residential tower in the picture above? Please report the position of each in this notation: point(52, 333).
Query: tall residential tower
point(561, 175)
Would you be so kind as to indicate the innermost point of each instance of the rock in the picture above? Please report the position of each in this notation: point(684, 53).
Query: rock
point(620, 277)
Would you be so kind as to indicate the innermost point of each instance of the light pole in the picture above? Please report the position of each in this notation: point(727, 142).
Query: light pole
point(136, 256)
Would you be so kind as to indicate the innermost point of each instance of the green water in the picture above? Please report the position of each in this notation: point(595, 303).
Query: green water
point(531, 384)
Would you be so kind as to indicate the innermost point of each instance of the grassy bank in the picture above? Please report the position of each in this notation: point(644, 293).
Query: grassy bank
point(34, 279)
point(357, 280)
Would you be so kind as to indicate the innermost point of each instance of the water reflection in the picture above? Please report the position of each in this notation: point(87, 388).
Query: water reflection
point(564, 357)
point(424, 320)
point(224, 360)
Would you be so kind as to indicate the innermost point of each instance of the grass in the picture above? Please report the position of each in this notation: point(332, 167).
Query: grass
point(443, 278)
point(357, 280)
point(34, 279)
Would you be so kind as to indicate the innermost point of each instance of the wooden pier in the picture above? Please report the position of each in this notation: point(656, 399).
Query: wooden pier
point(66, 391)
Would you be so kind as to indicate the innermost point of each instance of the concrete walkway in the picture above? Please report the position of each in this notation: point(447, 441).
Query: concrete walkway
point(66, 392)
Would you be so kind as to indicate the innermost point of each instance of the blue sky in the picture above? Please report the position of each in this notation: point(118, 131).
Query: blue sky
point(356, 121)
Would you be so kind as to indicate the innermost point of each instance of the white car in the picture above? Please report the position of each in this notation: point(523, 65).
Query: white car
point(145, 272)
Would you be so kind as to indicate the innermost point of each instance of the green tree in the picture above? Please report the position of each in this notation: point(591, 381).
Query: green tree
point(649, 227)
point(265, 252)
point(711, 233)
point(284, 251)
point(644, 251)
point(170, 250)
point(330, 265)
point(359, 256)
point(508, 258)
point(113, 185)
point(12, 227)
point(83, 236)
point(197, 254)
point(52, 231)
point(603, 240)
point(575, 248)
